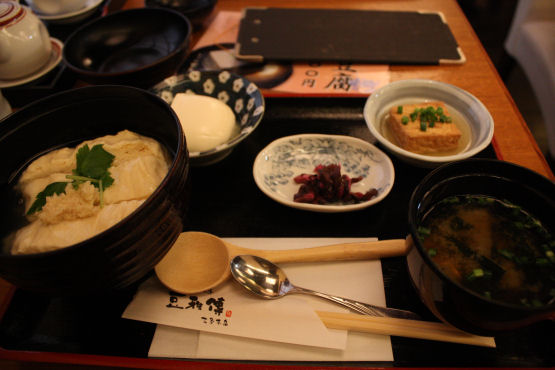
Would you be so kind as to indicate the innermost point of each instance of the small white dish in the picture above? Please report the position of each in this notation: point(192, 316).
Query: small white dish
point(72, 17)
point(466, 105)
point(56, 6)
point(278, 163)
point(53, 61)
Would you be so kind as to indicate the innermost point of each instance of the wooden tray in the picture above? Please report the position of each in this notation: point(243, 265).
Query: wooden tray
point(227, 203)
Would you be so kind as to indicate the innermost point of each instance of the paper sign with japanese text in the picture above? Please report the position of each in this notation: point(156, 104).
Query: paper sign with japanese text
point(231, 310)
point(215, 51)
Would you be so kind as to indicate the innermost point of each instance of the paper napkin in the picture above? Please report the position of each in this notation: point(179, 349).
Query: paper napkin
point(361, 280)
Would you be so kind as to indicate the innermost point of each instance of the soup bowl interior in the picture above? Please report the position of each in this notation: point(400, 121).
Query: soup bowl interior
point(450, 300)
point(123, 254)
point(138, 47)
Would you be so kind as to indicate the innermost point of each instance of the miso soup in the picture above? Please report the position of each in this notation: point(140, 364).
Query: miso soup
point(492, 247)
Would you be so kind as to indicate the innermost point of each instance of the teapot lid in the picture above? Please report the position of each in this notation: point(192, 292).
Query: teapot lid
point(11, 13)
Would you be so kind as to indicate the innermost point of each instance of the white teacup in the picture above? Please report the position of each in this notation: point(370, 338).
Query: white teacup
point(25, 44)
point(51, 7)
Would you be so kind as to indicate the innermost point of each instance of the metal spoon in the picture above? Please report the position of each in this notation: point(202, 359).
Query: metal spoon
point(267, 280)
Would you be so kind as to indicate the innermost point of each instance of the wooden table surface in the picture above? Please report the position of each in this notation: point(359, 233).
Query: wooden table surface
point(513, 141)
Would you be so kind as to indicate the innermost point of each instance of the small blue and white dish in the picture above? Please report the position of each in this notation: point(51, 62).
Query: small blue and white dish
point(242, 96)
point(283, 159)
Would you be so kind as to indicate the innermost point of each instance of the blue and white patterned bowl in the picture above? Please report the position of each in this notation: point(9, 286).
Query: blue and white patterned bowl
point(283, 159)
point(242, 96)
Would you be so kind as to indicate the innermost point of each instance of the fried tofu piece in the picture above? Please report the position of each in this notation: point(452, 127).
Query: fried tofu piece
point(439, 138)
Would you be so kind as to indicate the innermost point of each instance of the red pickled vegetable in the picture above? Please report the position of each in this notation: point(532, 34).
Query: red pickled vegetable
point(327, 185)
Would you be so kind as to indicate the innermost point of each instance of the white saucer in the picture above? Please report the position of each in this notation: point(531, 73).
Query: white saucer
point(55, 58)
point(283, 159)
point(71, 17)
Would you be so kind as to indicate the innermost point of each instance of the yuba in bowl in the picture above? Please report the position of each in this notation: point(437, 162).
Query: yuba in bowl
point(127, 251)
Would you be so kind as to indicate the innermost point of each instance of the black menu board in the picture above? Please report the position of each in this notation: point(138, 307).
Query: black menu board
point(341, 35)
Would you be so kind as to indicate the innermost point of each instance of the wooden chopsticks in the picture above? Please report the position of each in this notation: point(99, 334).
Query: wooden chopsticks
point(402, 328)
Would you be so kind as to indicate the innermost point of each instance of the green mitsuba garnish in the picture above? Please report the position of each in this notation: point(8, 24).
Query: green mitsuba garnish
point(92, 165)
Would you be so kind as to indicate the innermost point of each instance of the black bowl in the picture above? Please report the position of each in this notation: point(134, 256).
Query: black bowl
point(195, 10)
point(450, 301)
point(125, 253)
point(138, 47)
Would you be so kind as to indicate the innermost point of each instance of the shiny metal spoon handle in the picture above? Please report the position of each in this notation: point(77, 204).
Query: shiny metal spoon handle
point(363, 308)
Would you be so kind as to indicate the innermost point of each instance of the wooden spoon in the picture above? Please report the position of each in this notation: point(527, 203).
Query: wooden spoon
point(199, 261)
